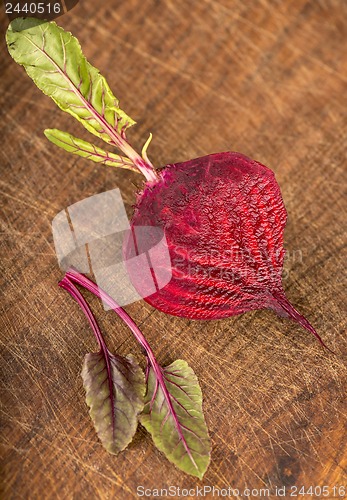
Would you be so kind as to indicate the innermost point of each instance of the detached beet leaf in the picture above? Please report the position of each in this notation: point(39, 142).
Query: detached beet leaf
point(173, 415)
point(114, 393)
point(173, 411)
point(115, 387)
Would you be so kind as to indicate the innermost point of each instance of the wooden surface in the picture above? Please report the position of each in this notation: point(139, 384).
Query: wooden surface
point(266, 78)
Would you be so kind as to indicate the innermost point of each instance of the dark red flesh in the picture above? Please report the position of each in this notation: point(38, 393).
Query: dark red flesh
point(223, 218)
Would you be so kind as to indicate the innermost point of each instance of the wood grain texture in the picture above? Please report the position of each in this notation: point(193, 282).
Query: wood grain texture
point(266, 78)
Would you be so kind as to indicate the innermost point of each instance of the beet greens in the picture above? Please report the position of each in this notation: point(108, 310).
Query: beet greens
point(171, 410)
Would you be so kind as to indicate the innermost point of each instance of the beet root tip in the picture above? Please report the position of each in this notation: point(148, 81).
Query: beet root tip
point(283, 307)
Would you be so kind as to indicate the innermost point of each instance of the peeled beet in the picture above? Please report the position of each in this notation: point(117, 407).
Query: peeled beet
point(223, 217)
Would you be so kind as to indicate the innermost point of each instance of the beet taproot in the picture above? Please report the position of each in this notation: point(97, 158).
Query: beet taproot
point(223, 217)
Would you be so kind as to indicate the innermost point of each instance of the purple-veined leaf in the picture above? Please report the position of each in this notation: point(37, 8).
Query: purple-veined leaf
point(173, 415)
point(87, 150)
point(114, 393)
point(115, 386)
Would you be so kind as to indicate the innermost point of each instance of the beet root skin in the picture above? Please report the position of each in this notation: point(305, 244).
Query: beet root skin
point(223, 218)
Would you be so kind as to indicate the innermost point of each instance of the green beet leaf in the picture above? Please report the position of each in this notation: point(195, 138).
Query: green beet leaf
point(53, 58)
point(115, 389)
point(87, 150)
point(174, 417)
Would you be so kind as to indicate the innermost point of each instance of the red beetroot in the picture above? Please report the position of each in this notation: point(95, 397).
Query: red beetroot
point(223, 217)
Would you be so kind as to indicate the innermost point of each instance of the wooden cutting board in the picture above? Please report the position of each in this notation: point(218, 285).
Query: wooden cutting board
point(265, 78)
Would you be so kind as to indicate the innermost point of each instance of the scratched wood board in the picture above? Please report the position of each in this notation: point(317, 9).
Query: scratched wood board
point(266, 78)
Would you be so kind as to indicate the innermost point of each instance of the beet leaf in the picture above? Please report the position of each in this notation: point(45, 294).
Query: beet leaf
point(174, 417)
point(53, 58)
point(114, 385)
point(87, 150)
point(114, 388)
